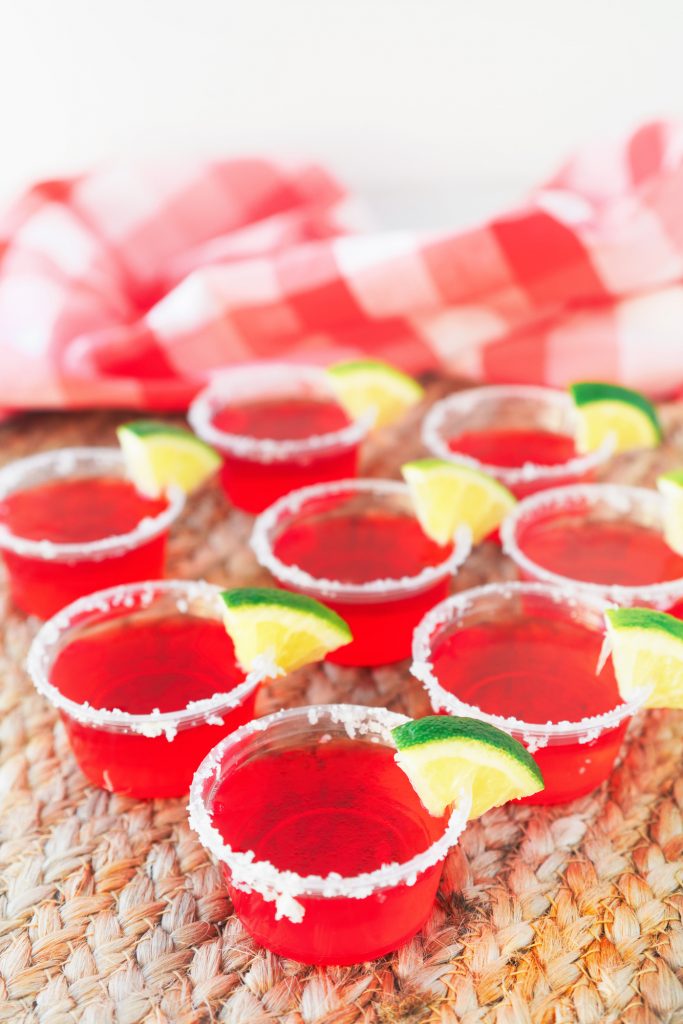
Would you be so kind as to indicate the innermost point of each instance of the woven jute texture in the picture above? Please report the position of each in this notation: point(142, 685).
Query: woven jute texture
point(110, 911)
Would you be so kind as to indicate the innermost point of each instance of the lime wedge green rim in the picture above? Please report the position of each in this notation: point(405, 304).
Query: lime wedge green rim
point(443, 728)
point(273, 597)
point(675, 476)
point(645, 618)
point(588, 392)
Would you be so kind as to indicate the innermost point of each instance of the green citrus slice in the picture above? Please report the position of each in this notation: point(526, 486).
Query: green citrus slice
point(607, 410)
point(647, 652)
point(290, 629)
point(670, 486)
point(442, 755)
point(364, 385)
point(158, 455)
point(446, 495)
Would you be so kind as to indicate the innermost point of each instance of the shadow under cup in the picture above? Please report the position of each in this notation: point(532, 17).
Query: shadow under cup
point(524, 657)
point(285, 770)
point(143, 646)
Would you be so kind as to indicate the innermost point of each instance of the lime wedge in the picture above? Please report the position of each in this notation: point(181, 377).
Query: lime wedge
point(670, 486)
point(442, 755)
point(447, 494)
point(158, 455)
point(607, 410)
point(366, 385)
point(647, 653)
point(289, 629)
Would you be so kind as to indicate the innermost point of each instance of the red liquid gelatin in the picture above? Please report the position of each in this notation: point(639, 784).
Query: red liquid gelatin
point(278, 427)
point(521, 435)
point(146, 682)
point(357, 546)
point(602, 539)
point(329, 855)
point(524, 656)
point(70, 524)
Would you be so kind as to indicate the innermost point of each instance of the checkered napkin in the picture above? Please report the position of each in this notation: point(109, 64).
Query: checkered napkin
point(131, 285)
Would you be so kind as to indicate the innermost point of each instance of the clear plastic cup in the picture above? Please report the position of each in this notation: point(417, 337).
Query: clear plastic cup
point(517, 408)
point(575, 753)
point(333, 918)
point(256, 471)
point(44, 576)
point(134, 637)
point(592, 505)
point(381, 612)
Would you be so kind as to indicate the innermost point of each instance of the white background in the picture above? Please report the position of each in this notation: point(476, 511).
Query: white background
point(434, 110)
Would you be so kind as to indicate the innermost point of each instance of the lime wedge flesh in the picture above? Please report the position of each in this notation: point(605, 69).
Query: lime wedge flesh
point(158, 455)
point(607, 410)
point(365, 385)
point(670, 486)
point(444, 756)
point(447, 495)
point(647, 653)
point(291, 629)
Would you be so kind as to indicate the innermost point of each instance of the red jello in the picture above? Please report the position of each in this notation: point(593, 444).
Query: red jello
point(524, 656)
point(328, 853)
point(146, 681)
point(605, 539)
point(278, 427)
point(71, 524)
point(357, 546)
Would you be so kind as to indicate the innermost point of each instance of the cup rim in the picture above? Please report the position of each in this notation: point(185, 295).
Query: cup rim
point(268, 449)
point(535, 734)
point(285, 887)
point(655, 594)
point(108, 459)
point(511, 476)
point(387, 588)
point(150, 724)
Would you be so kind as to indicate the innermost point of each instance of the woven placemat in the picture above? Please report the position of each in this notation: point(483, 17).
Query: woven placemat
point(110, 911)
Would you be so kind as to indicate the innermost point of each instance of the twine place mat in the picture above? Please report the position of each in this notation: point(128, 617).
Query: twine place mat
point(112, 913)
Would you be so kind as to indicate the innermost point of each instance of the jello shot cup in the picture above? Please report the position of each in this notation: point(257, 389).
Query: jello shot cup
point(357, 546)
point(145, 679)
point(522, 435)
point(329, 856)
point(71, 523)
point(524, 657)
point(602, 540)
point(278, 427)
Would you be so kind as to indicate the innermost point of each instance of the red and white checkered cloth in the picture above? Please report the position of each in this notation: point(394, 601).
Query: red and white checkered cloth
point(131, 286)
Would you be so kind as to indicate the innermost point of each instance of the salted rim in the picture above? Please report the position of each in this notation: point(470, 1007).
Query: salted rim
point(291, 504)
point(511, 476)
point(155, 723)
point(284, 887)
point(621, 497)
point(534, 734)
point(65, 462)
point(267, 449)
